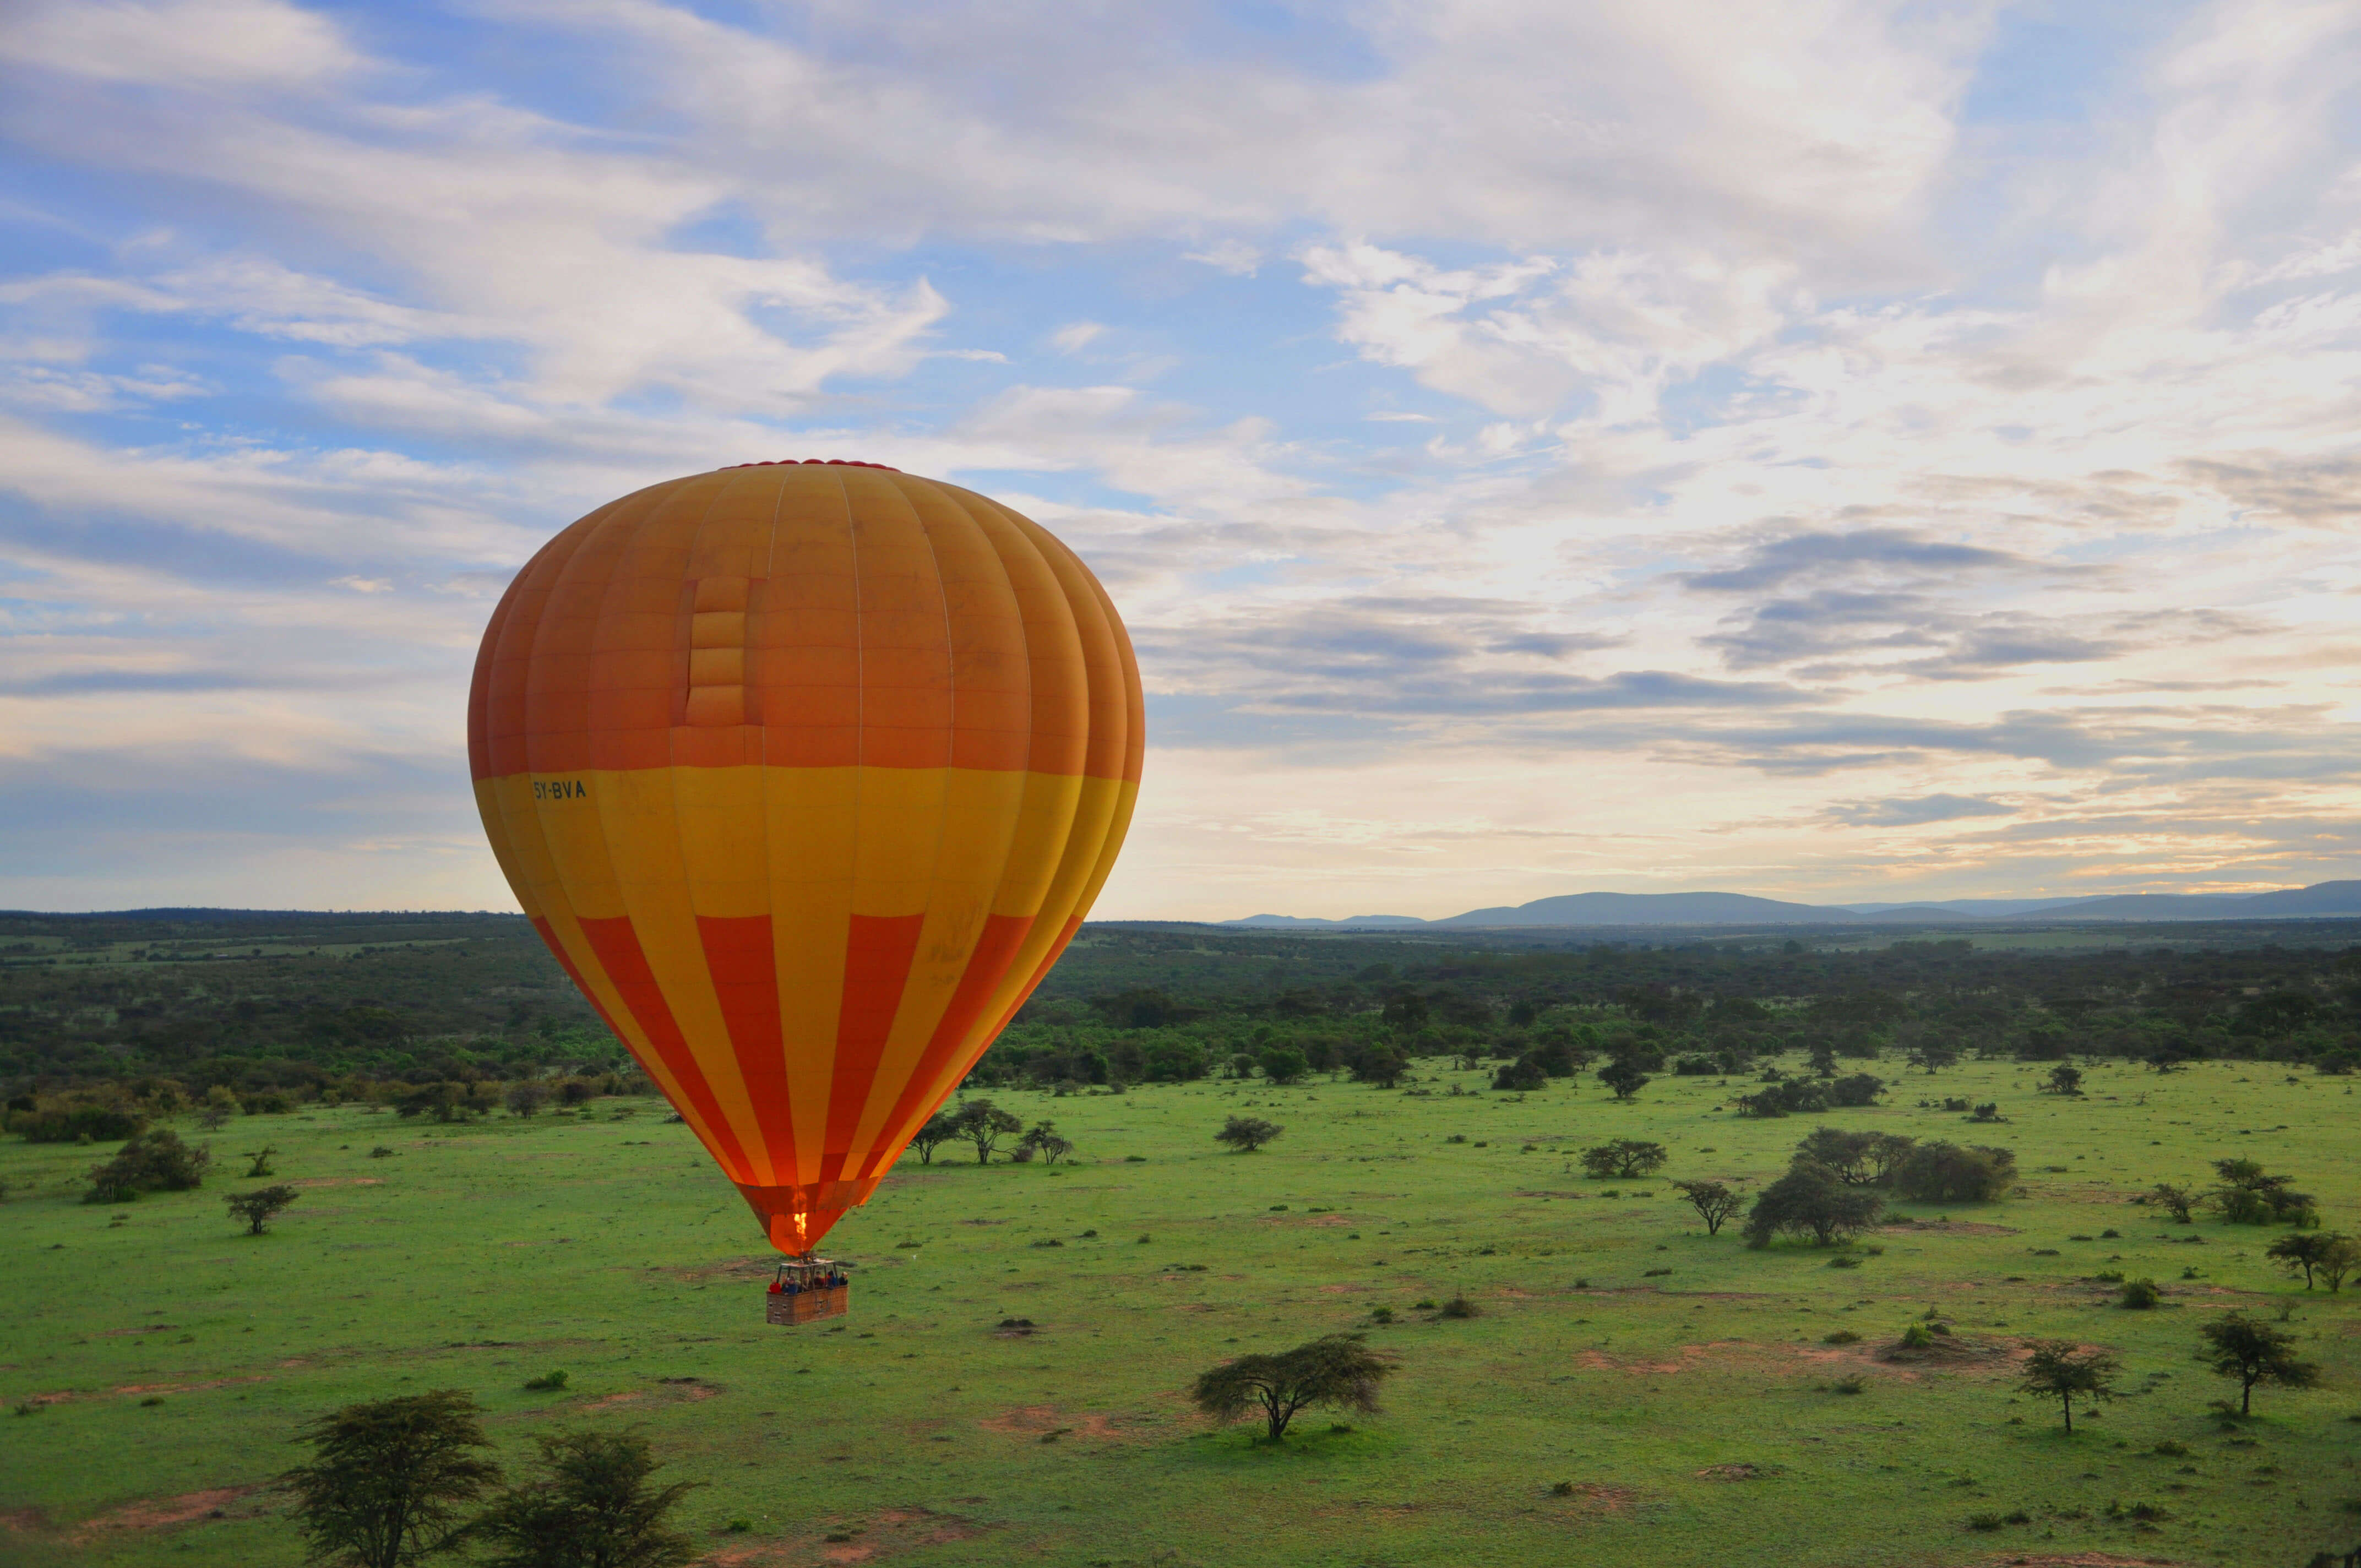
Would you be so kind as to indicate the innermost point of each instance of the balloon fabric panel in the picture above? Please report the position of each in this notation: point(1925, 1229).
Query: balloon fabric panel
point(806, 773)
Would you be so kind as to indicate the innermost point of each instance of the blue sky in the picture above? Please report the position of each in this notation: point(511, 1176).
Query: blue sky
point(1828, 449)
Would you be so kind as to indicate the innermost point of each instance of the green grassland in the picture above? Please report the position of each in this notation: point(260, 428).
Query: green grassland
point(1681, 1385)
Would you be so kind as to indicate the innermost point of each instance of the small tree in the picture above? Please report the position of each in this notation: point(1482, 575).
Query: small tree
point(2300, 1252)
point(386, 1478)
point(1380, 1064)
point(1626, 1158)
point(593, 1507)
point(526, 1098)
point(2239, 1346)
point(152, 1162)
point(941, 1128)
point(2250, 1196)
point(1283, 1064)
point(1623, 1078)
point(1521, 1076)
point(1247, 1135)
point(2339, 1258)
point(2174, 1200)
point(1714, 1201)
point(1810, 1200)
point(1338, 1370)
point(2063, 1079)
point(261, 1206)
point(1043, 1140)
point(259, 1162)
point(1940, 1172)
point(983, 1124)
point(2058, 1370)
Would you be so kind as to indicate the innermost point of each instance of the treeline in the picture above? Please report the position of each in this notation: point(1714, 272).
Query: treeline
point(1130, 1006)
point(293, 1004)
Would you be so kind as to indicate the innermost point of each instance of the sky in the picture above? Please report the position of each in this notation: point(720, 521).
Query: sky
point(1817, 448)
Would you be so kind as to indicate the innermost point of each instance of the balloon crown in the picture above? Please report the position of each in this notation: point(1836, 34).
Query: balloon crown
point(828, 462)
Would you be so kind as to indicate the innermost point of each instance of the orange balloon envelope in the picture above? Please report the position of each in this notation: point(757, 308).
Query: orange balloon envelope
point(806, 773)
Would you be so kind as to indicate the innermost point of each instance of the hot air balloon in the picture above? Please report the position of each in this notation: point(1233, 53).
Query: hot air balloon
point(806, 773)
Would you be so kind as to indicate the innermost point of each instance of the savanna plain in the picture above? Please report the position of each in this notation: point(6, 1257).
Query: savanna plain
point(1012, 1383)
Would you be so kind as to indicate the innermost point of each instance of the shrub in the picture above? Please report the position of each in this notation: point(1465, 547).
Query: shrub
point(1916, 1337)
point(1248, 1134)
point(1623, 1078)
point(2139, 1295)
point(593, 1503)
point(74, 1123)
point(386, 1478)
point(1941, 1172)
point(1521, 1075)
point(261, 1206)
point(152, 1162)
point(548, 1382)
point(1283, 1064)
point(1810, 1200)
point(1461, 1307)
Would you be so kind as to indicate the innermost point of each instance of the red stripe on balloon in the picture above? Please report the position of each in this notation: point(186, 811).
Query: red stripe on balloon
point(618, 950)
point(986, 966)
point(877, 954)
point(740, 958)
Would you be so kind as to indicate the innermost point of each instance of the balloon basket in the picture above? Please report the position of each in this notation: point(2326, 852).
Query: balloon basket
point(807, 1288)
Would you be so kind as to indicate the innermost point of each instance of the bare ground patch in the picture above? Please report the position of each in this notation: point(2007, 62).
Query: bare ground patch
point(310, 1181)
point(1592, 1498)
point(159, 1513)
point(1044, 1421)
point(1731, 1472)
point(668, 1391)
point(2084, 1559)
point(1947, 1228)
point(881, 1535)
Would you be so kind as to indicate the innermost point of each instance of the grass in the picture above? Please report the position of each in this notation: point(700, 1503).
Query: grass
point(1591, 1409)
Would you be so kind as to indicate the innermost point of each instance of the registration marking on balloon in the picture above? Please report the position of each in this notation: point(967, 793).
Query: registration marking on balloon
point(806, 773)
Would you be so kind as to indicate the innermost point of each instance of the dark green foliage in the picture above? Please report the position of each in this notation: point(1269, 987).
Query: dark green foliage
point(2250, 1196)
point(1380, 1064)
point(1939, 1172)
point(2174, 1200)
point(941, 1128)
point(1043, 1140)
point(1336, 1371)
point(1459, 1307)
point(593, 1506)
point(2300, 1252)
point(260, 1207)
point(1624, 1157)
point(1283, 1064)
point(1715, 1201)
point(386, 1478)
point(257, 1162)
point(1248, 1134)
point(1142, 1007)
point(547, 1383)
point(2138, 1295)
point(1623, 1078)
point(1796, 1095)
point(2252, 1352)
point(1521, 1075)
point(526, 1098)
point(1811, 1200)
point(983, 1124)
point(1864, 1159)
point(2063, 1079)
point(71, 1122)
point(152, 1162)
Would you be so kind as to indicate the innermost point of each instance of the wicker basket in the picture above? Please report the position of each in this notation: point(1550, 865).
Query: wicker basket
point(804, 1306)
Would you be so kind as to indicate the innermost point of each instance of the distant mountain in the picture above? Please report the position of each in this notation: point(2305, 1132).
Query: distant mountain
point(2321, 899)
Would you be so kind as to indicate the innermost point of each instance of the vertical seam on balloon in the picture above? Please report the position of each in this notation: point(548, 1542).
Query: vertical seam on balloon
point(778, 1044)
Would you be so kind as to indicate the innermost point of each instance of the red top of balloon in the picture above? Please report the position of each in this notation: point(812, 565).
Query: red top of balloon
point(829, 462)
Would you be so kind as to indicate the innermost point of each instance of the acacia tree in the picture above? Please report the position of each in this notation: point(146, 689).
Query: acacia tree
point(1715, 1201)
point(1810, 1199)
point(593, 1507)
point(1247, 1135)
point(942, 1128)
point(527, 1098)
point(386, 1478)
point(1625, 1157)
point(983, 1124)
point(1623, 1078)
point(1338, 1370)
point(1043, 1140)
point(261, 1206)
point(2339, 1258)
point(2063, 1079)
point(2057, 1370)
point(2174, 1200)
point(2239, 1346)
point(2301, 1251)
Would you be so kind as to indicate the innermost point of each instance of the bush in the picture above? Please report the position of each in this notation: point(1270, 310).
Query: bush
point(1918, 1336)
point(152, 1162)
point(260, 1207)
point(548, 1382)
point(1283, 1064)
point(72, 1124)
point(1842, 1336)
point(1248, 1134)
point(2139, 1295)
point(1522, 1074)
point(1810, 1200)
point(1461, 1307)
point(1623, 1157)
point(592, 1505)
point(1942, 1172)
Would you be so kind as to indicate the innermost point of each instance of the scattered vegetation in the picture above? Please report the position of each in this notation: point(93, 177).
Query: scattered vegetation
point(1338, 1371)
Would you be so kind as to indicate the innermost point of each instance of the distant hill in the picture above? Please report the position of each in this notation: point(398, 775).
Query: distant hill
point(2321, 899)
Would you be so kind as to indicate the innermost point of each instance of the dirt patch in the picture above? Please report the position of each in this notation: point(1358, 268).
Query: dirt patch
point(159, 1513)
point(1043, 1421)
point(173, 1387)
point(24, 1521)
point(1949, 1228)
point(311, 1181)
point(146, 1329)
point(1961, 1353)
point(2084, 1560)
point(1691, 1356)
point(1731, 1472)
point(668, 1391)
point(1594, 1498)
